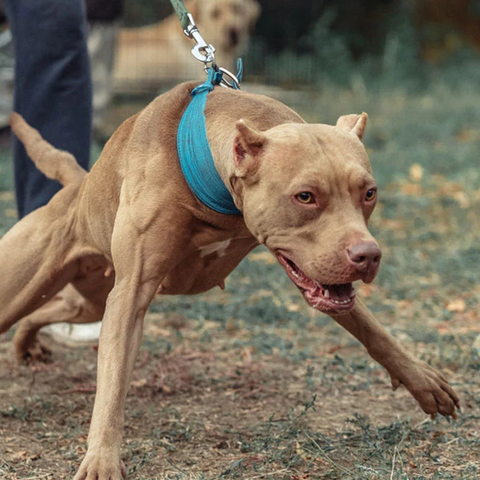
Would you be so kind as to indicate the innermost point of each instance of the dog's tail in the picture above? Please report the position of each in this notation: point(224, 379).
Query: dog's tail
point(54, 163)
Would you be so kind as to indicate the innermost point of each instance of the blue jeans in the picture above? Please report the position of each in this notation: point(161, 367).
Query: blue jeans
point(53, 90)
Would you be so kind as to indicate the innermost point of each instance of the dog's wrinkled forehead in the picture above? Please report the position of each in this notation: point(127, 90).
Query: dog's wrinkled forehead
point(317, 147)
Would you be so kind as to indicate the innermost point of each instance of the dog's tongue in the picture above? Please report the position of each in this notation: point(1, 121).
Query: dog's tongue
point(338, 292)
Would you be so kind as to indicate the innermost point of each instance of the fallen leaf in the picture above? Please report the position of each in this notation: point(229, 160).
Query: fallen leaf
point(457, 305)
point(416, 172)
point(468, 135)
point(20, 455)
point(412, 189)
point(139, 383)
point(462, 199)
point(293, 307)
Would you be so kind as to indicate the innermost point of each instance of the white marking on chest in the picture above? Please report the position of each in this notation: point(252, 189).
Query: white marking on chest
point(216, 247)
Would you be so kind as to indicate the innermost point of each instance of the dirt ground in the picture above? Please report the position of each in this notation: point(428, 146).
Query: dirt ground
point(212, 400)
point(250, 383)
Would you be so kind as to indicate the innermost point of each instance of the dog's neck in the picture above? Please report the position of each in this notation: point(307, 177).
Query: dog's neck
point(225, 165)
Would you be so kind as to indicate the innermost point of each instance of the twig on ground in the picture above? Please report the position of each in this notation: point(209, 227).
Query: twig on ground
point(324, 453)
point(393, 462)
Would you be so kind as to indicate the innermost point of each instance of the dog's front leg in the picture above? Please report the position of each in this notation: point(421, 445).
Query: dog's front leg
point(120, 339)
point(141, 260)
point(427, 385)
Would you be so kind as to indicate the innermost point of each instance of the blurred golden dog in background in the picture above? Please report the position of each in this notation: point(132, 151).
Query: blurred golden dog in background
point(161, 52)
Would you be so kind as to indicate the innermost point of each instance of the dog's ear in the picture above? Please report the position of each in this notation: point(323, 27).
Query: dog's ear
point(249, 144)
point(355, 124)
point(253, 10)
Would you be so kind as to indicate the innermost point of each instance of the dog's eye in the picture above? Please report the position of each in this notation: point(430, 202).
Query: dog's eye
point(370, 195)
point(305, 198)
point(215, 13)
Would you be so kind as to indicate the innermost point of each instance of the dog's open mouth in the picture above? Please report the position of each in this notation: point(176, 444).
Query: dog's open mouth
point(326, 298)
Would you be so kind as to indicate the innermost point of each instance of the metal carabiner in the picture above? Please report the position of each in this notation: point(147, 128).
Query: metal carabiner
point(202, 51)
point(234, 81)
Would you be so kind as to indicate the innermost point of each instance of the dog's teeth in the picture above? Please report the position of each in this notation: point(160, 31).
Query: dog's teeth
point(326, 294)
point(340, 302)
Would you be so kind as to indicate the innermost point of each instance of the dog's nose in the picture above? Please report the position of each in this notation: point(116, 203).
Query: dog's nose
point(365, 257)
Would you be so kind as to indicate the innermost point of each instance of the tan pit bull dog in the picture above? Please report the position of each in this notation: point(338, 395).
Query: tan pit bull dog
point(109, 240)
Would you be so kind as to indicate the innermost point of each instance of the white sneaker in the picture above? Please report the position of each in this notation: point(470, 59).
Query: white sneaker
point(74, 334)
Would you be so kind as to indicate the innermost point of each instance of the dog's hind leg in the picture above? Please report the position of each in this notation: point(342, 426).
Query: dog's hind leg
point(67, 306)
point(36, 257)
point(34, 261)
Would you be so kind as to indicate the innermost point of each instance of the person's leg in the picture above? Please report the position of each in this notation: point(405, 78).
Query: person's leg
point(52, 87)
point(53, 93)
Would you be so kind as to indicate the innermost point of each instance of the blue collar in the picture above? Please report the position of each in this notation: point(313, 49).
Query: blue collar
point(196, 159)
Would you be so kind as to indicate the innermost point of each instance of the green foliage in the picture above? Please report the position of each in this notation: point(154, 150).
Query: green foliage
point(144, 12)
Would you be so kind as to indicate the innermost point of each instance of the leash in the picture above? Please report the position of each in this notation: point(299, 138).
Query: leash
point(181, 12)
point(204, 52)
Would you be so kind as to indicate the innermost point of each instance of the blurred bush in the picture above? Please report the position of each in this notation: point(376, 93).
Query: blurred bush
point(144, 12)
point(353, 41)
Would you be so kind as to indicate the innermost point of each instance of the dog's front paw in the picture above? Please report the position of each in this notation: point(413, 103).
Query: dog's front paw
point(429, 387)
point(101, 465)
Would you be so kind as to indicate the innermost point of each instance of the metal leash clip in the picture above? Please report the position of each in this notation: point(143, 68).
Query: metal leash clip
point(202, 51)
point(234, 81)
point(205, 53)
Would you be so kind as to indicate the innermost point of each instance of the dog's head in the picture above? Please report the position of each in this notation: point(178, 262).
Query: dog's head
point(225, 23)
point(307, 193)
